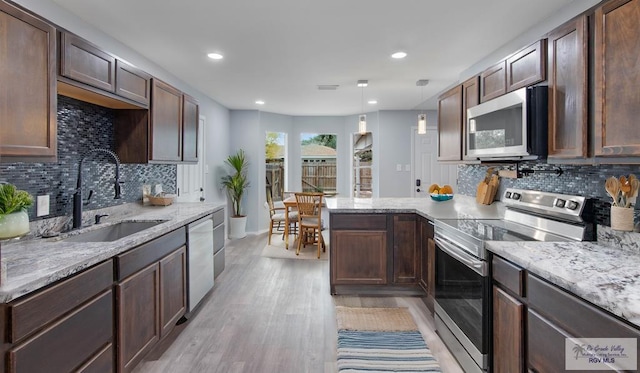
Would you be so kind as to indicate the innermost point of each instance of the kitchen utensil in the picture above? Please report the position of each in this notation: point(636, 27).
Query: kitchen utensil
point(633, 194)
point(612, 186)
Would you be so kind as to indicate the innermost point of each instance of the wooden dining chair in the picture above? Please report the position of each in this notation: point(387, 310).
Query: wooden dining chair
point(277, 216)
point(309, 220)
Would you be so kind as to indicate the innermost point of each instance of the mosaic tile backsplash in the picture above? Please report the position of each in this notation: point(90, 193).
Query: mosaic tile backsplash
point(587, 181)
point(83, 126)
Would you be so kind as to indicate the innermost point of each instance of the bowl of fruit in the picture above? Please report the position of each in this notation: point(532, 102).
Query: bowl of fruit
point(440, 193)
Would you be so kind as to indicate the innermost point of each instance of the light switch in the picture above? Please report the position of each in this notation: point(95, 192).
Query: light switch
point(42, 205)
point(398, 167)
point(407, 167)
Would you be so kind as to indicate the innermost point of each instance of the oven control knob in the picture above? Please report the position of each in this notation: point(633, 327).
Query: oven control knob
point(560, 202)
point(507, 195)
point(572, 205)
point(515, 196)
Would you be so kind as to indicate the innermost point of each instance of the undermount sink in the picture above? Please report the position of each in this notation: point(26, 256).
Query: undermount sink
point(113, 232)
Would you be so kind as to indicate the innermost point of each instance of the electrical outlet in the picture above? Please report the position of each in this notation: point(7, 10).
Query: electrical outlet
point(407, 167)
point(42, 205)
point(398, 167)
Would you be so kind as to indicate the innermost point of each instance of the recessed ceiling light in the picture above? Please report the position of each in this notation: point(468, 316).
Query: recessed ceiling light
point(259, 102)
point(372, 102)
point(215, 56)
point(399, 55)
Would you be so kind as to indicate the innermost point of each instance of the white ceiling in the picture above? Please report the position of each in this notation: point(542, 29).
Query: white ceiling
point(280, 50)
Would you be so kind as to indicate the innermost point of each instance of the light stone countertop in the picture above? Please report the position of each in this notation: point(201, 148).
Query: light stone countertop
point(460, 207)
point(33, 264)
point(606, 276)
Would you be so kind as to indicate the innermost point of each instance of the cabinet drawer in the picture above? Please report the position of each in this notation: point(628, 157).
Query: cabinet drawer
point(65, 345)
point(102, 362)
point(359, 221)
point(32, 313)
point(509, 275)
point(562, 308)
point(140, 257)
point(546, 344)
point(218, 217)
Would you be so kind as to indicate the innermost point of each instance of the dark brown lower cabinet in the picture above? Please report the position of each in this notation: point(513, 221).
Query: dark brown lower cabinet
point(545, 344)
point(405, 249)
point(361, 259)
point(138, 317)
point(150, 302)
point(427, 257)
point(508, 351)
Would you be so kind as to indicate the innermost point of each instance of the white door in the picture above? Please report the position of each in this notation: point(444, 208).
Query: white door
point(191, 176)
point(426, 167)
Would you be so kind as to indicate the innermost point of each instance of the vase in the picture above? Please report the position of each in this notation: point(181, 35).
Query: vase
point(237, 227)
point(13, 225)
point(621, 218)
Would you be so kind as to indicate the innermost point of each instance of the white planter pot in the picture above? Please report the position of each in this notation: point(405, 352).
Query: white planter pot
point(14, 225)
point(237, 227)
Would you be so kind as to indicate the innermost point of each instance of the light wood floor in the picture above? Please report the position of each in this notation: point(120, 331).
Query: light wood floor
point(271, 315)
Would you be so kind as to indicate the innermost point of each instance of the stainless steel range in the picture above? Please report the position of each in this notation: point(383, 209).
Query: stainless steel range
point(463, 286)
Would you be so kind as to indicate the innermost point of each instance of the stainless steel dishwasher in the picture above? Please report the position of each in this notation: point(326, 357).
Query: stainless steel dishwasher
point(200, 253)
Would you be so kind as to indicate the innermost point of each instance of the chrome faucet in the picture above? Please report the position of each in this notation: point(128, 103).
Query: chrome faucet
point(77, 196)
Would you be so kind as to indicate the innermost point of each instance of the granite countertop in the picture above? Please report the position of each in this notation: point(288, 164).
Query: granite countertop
point(460, 207)
point(33, 264)
point(604, 274)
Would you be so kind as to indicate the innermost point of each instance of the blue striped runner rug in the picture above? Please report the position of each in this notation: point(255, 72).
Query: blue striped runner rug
point(384, 351)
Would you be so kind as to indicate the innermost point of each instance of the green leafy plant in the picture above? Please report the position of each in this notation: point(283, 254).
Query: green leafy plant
point(13, 200)
point(236, 183)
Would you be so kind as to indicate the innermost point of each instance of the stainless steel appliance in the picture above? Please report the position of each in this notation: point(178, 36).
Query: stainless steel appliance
point(463, 285)
point(512, 126)
point(200, 260)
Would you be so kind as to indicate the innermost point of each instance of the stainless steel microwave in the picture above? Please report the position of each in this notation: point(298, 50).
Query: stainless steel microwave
point(510, 127)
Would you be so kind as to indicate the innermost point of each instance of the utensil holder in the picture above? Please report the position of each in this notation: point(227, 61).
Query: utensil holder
point(621, 218)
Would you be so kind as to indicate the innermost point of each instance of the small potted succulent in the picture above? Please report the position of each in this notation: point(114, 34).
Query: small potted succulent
point(14, 220)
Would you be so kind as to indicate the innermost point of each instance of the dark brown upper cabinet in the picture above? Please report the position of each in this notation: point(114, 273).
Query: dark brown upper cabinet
point(470, 98)
point(88, 73)
point(493, 81)
point(166, 123)
point(524, 68)
point(527, 66)
point(28, 87)
point(617, 78)
point(190, 118)
point(166, 133)
point(450, 125)
point(568, 94)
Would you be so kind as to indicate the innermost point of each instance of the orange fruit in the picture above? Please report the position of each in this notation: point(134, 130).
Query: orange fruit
point(434, 188)
point(446, 190)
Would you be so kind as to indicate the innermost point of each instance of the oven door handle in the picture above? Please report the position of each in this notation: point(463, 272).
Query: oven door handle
point(478, 266)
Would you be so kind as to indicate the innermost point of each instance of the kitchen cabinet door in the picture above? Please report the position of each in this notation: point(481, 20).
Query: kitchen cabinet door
point(359, 257)
point(427, 264)
point(450, 125)
point(527, 66)
point(508, 331)
point(545, 344)
point(132, 83)
point(166, 123)
point(470, 98)
point(27, 87)
point(173, 289)
point(568, 95)
point(617, 78)
point(86, 63)
point(405, 249)
point(190, 119)
point(493, 81)
point(138, 299)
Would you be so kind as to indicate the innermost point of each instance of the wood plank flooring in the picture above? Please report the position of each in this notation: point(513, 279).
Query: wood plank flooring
point(271, 315)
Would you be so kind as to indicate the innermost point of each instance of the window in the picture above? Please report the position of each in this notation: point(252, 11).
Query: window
point(318, 162)
point(275, 156)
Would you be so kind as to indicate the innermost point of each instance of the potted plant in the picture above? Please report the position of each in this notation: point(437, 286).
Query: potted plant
point(236, 183)
point(14, 220)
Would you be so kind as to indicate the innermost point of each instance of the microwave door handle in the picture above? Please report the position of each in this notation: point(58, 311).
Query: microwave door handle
point(477, 266)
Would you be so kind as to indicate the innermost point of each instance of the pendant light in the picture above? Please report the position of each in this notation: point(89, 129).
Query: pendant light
point(362, 118)
point(422, 117)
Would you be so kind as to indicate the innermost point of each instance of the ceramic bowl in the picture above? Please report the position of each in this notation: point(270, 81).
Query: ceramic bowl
point(441, 197)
